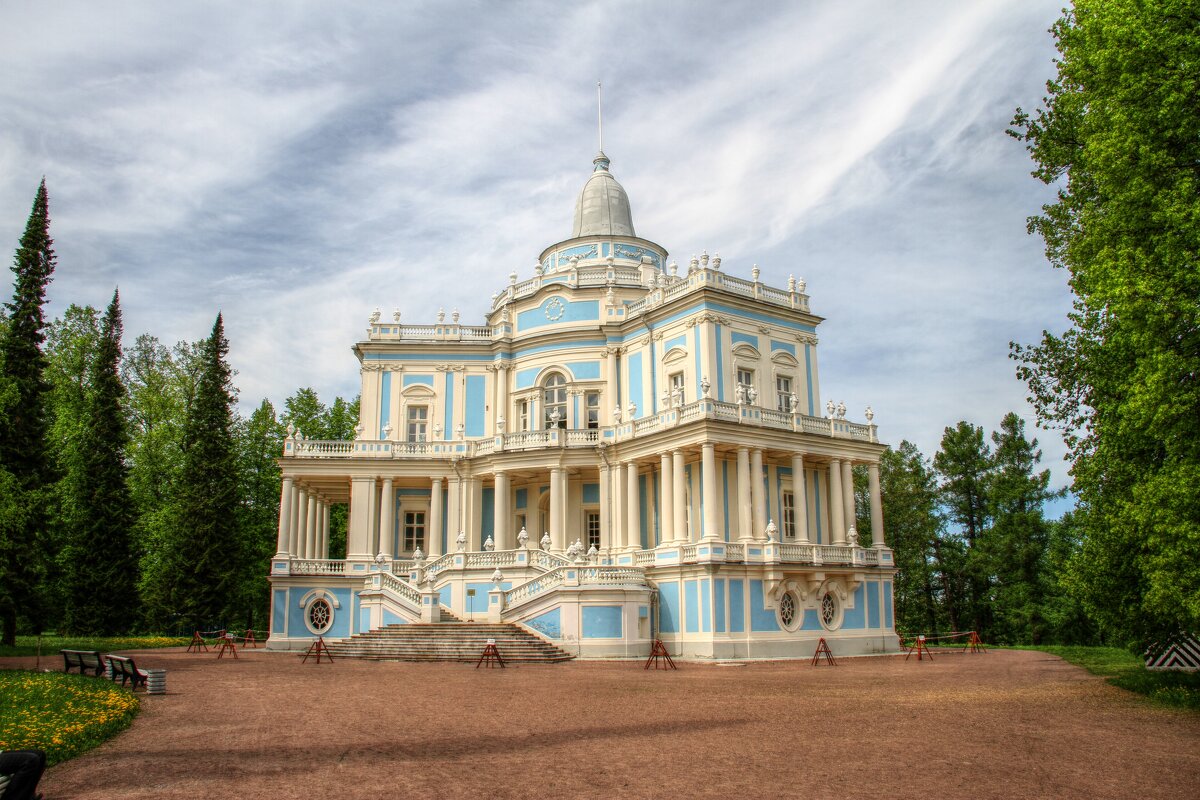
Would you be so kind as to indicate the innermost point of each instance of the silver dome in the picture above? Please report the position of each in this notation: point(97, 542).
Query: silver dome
point(603, 206)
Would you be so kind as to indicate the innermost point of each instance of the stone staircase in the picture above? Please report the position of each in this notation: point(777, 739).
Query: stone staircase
point(448, 641)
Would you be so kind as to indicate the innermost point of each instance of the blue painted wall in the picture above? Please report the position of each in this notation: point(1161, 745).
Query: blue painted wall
point(634, 367)
point(761, 619)
point(785, 346)
point(644, 512)
point(719, 603)
point(720, 362)
point(602, 622)
point(445, 595)
point(585, 370)
point(668, 607)
point(705, 606)
point(278, 610)
point(522, 498)
point(342, 615)
point(887, 605)
point(391, 619)
point(418, 380)
point(743, 338)
point(548, 624)
point(385, 401)
point(488, 521)
point(527, 377)
point(872, 605)
point(448, 424)
point(476, 403)
point(737, 605)
point(811, 621)
point(856, 617)
point(572, 311)
point(690, 608)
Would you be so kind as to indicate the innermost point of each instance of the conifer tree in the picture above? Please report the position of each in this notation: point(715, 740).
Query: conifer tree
point(23, 424)
point(204, 538)
point(102, 563)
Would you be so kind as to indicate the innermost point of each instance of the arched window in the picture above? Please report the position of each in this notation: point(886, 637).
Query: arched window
point(554, 401)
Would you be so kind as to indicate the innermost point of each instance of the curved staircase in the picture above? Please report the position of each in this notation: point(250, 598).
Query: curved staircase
point(448, 641)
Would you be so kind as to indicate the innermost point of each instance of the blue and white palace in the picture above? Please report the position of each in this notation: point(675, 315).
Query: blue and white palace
point(625, 450)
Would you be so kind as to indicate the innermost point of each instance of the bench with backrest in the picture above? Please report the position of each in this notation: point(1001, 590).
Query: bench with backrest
point(85, 660)
point(124, 669)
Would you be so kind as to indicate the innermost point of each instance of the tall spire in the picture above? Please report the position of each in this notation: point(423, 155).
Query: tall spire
point(600, 115)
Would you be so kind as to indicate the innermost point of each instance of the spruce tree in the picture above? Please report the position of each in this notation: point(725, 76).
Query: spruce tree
point(23, 456)
point(103, 566)
point(205, 534)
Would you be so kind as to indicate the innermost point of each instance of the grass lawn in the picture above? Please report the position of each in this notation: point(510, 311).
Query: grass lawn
point(65, 715)
point(1126, 670)
point(28, 645)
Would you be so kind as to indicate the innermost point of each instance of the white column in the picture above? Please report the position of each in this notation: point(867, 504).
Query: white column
point(745, 502)
point(848, 493)
point(310, 528)
point(557, 534)
point(758, 498)
point(708, 466)
point(799, 498)
point(876, 505)
point(473, 489)
point(362, 495)
point(837, 507)
point(433, 534)
point(633, 507)
point(500, 409)
point(619, 517)
point(502, 538)
point(453, 513)
point(387, 519)
point(301, 522)
point(611, 398)
point(666, 497)
point(283, 541)
point(680, 502)
point(605, 512)
point(296, 523)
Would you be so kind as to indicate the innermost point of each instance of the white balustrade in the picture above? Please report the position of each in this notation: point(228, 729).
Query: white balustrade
point(644, 557)
point(404, 589)
point(311, 566)
point(496, 558)
point(735, 552)
point(612, 575)
point(533, 587)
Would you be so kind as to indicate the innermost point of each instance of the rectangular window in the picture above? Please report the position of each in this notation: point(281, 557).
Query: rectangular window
point(745, 377)
point(414, 530)
point(523, 415)
point(593, 529)
point(418, 420)
point(789, 515)
point(593, 409)
point(783, 393)
point(678, 393)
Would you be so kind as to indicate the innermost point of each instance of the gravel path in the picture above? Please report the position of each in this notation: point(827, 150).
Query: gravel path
point(1001, 724)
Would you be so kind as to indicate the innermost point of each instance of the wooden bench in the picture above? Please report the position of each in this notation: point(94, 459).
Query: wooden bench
point(124, 669)
point(85, 660)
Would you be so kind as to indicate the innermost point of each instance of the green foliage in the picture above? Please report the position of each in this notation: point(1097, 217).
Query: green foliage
point(64, 715)
point(1120, 137)
point(50, 644)
point(24, 541)
point(259, 443)
point(973, 549)
point(203, 539)
point(909, 491)
point(102, 564)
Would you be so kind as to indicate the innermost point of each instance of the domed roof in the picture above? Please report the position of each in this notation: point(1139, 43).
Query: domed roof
point(603, 206)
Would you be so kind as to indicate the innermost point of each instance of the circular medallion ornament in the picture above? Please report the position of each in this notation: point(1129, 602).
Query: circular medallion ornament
point(555, 309)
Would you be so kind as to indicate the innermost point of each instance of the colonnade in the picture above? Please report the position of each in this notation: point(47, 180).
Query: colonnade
point(303, 522)
point(304, 515)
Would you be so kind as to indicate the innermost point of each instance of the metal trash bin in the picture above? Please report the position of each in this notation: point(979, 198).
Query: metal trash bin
point(156, 681)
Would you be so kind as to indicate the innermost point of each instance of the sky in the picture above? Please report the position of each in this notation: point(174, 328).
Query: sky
point(296, 165)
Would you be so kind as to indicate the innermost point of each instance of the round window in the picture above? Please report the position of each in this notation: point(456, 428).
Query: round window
point(320, 616)
point(787, 610)
point(830, 611)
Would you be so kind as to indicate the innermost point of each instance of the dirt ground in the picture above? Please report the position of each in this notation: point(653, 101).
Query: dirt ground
point(1000, 724)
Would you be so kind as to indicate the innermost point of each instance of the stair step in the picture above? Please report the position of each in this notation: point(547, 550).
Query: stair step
point(448, 641)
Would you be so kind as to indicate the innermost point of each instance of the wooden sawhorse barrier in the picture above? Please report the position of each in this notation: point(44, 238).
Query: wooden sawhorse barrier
point(975, 644)
point(823, 650)
point(226, 645)
point(920, 648)
point(249, 639)
point(317, 649)
point(490, 656)
point(660, 657)
point(197, 645)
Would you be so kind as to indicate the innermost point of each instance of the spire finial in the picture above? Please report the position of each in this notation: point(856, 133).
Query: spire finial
point(600, 115)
